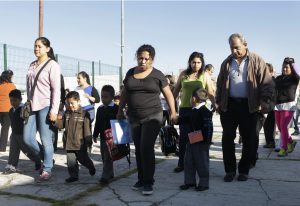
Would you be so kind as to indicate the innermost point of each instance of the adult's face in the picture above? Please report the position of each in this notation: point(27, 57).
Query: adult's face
point(81, 80)
point(144, 61)
point(196, 64)
point(40, 50)
point(286, 69)
point(238, 49)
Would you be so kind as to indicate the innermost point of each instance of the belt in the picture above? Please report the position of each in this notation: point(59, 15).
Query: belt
point(238, 99)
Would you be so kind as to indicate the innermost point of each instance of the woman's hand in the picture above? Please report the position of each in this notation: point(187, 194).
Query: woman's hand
point(52, 117)
point(173, 118)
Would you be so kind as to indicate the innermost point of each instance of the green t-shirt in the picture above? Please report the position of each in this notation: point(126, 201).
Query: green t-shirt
point(187, 88)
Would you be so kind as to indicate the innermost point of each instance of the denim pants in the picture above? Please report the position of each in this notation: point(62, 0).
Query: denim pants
point(184, 129)
point(38, 121)
point(295, 119)
point(144, 134)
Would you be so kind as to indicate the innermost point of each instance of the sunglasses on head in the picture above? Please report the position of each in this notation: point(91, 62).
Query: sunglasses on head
point(288, 60)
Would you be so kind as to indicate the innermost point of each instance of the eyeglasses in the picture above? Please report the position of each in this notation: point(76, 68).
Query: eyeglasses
point(289, 60)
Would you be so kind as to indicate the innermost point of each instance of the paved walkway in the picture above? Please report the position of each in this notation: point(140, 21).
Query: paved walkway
point(274, 181)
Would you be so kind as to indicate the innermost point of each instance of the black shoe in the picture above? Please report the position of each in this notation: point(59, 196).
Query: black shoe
point(229, 177)
point(71, 179)
point(104, 181)
point(92, 171)
point(178, 169)
point(295, 133)
point(148, 190)
point(138, 185)
point(201, 188)
point(269, 145)
point(38, 166)
point(186, 186)
point(242, 177)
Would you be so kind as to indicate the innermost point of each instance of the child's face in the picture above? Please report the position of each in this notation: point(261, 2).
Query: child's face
point(106, 97)
point(193, 101)
point(15, 102)
point(73, 104)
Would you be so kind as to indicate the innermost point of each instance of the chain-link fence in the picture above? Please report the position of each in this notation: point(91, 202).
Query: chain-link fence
point(18, 59)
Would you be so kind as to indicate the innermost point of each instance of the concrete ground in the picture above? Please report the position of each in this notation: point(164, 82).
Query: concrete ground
point(274, 181)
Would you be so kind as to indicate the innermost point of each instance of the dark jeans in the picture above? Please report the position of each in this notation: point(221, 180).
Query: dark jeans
point(295, 119)
point(81, 156)
point(184, 129)
point(259, 125)
point(270, 128)
point(144, 134)
point(238, 114)
point(16, 145)
point(5, 124)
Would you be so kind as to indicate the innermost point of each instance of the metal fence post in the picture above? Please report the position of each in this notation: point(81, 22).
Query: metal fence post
point(99, 67)
point(5, 56)
point(78, 67)
point(93, 73)
point(56, 57)
point(120, 76)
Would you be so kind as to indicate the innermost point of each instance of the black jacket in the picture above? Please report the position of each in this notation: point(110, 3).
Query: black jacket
point(200, 119)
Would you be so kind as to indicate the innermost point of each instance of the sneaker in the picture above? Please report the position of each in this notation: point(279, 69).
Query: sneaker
point(291, 146)
point(45, 176)
point(282, 153)
point(148, 190)
point(229, 177)
point(71, 179)
point(137, 186)
point(276, 149)
point(9, 169)
point(242, 177)
point(295, 133)
point(178, 169)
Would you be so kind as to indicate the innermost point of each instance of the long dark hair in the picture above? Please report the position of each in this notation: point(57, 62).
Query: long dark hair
point(86, 76)
point(46, 42)
point(6, 76)
point(194, 55)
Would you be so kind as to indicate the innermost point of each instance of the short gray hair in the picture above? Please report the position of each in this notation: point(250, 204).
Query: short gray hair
point(237, 35)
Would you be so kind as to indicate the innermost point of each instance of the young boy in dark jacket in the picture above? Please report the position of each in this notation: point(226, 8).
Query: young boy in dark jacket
point(105, 113)
point(16, 140)
point(78, 136)
point(197, 154)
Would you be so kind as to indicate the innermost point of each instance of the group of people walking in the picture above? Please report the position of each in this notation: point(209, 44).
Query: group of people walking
point(245, 91)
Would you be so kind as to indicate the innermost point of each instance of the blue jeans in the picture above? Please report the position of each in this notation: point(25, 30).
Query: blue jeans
point(295, 119)
point(38, 121)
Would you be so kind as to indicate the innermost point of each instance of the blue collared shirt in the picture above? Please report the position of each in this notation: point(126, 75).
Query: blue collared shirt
point(238, 78)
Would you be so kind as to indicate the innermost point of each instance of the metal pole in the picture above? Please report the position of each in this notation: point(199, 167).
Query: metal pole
point(93, 73)
point(99, 67)
point(5, 56)
point(122, 41)
point(78, 68)
point(56, 57)
point(40, 18)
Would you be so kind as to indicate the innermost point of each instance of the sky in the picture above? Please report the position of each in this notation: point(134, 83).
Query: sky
point(92, 29)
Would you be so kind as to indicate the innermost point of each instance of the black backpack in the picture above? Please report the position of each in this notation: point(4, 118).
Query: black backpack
point(168, 139)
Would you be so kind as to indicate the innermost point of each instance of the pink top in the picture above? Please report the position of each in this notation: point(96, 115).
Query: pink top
point(47, 90)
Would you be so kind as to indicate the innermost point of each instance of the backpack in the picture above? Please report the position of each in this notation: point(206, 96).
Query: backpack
point(168, 138)
point(116, 151)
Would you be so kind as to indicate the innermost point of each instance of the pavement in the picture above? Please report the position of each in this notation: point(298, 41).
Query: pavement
point(274, 181)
